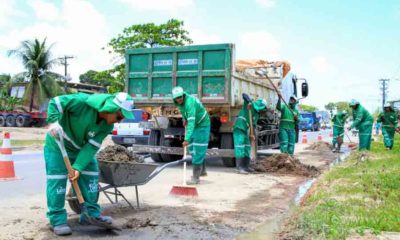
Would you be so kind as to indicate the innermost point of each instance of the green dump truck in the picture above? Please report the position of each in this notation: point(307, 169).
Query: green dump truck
point(209, 73)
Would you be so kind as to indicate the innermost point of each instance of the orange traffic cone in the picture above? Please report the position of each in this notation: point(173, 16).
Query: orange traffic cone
point(330, 134)
point(304, 138)
point(7, 172)
point(319, 137)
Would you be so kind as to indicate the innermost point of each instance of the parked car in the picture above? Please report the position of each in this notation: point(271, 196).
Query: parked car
point(309, 121)
point(133, 131)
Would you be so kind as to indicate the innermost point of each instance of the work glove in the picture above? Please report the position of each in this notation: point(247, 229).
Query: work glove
point(295, 117)
point(55, 130)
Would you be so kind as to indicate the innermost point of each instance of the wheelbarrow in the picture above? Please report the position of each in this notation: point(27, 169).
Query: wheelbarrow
point(115, 175)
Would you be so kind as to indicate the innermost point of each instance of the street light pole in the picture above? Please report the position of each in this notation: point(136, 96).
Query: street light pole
point(384, 88)
point(64, 61)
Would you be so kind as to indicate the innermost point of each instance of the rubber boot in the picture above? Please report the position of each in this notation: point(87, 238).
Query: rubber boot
point(203, 169)
point(338, 147)
point(62, 230)
point(238, 163)
point(246, 165)
point(196, 175)
point(334, 148)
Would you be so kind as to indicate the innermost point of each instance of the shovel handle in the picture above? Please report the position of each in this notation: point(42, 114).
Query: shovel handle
point(253, 144)
point(68, 165)
point(184, 166)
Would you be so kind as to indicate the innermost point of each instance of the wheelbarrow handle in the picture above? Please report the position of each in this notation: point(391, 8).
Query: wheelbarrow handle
point(159, 169)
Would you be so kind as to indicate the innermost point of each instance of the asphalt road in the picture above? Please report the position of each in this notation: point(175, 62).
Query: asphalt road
point(30, 168)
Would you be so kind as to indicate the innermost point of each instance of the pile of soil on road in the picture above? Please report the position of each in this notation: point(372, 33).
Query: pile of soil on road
point(118, 153)
point(320, 146)
point(283, 164)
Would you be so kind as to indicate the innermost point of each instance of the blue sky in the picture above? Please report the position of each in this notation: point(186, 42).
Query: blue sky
point(341, 47)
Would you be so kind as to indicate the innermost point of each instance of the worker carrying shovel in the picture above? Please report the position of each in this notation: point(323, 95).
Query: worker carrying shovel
point(197, 123)
point(389, 121)
point(338, 120)
point(83, 121)
point(289, 119)
point(241, 131)
point(363, 121)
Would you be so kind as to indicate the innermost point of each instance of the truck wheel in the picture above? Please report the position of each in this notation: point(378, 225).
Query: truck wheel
point(154, 140)
point(227, 143)
point(2, 121)
point(21, 121)
point(73, 201)
point(168, 142)
point(10, 121)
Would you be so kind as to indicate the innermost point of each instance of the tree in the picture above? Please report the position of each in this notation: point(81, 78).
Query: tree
point(147, 35)
point(102, 78)
point(37, 60)
point(150, 35)
point(343, 106)
point(308, 108)
point(330, 106)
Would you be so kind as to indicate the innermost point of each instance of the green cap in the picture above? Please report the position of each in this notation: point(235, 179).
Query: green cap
point(260, 104)
point(125, 102)
point(177, 92)
point(353, 102)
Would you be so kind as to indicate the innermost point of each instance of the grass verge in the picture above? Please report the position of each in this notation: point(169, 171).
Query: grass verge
point(361, 194)
point(24, 143)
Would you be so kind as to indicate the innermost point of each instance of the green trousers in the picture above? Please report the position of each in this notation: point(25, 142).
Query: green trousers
point(287, 139)
point(364, 136)
point(198, 144)
point(388, 137)
point(57, 177)
point(337, 132)
point(241, 140)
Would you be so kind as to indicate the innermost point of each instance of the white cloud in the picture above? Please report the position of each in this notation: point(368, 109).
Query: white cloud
point(266, 3)
point(80, 31)
point(200, 37)
point(8, 10)
point(159, 5)
point(320, 64)
point(260, 44)
point(45, 10)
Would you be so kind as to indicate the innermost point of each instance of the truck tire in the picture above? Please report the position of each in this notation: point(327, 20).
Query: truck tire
point(10, 121)
point(22, 121)
point(227, 143)
point(168, 142)
point(154, 140)
point(2, 121)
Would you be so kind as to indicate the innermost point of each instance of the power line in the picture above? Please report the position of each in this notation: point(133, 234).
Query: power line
point(64, 61)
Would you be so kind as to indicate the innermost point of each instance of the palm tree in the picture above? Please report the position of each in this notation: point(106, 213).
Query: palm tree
point(38, 62)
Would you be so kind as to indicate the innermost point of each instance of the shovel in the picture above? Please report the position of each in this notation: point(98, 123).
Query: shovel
point(253, 143)
point(84, 211)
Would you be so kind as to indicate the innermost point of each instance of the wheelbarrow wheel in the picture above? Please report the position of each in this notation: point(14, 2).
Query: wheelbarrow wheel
point(73, 201)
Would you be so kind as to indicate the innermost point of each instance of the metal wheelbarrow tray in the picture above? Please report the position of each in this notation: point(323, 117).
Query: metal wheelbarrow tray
point(123, 174)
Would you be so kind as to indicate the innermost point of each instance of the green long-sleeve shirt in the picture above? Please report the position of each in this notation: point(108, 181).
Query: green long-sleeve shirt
point(287, 118)
point(243, 119)
point(194, 113)
point(360, 117)
point(84, 132)
point(388, 120)
point(339, 120)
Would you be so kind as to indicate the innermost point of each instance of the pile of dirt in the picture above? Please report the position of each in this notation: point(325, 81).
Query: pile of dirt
point(135, 223)
point(283, 164)
point(320, 146)
point(118, 153)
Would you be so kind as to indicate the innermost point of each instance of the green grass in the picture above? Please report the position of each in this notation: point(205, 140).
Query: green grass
point(353, 197)
point(24, 143)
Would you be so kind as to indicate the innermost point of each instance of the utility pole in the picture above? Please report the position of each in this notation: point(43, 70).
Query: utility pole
point(384, 88)
point(64, 61)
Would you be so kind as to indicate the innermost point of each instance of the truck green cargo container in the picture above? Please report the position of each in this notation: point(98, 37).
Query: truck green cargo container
point(207, 72)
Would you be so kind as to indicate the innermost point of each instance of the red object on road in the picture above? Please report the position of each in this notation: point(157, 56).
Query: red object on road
point(304, 141)
point(319, 137)
point(330, 134)
point(7, 172)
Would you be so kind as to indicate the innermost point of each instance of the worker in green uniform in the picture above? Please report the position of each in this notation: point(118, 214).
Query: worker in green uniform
point(362, 121)
point(289, 119)
point(389, 121)
point(197, 123)
point(241, 131)
point(338, 121)
point(84, 121)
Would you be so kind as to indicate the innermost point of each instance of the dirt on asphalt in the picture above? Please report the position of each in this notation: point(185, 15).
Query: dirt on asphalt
point(285, 164)
point(320, 146)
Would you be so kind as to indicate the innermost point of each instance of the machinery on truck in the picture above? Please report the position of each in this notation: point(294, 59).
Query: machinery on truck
point(209, 73)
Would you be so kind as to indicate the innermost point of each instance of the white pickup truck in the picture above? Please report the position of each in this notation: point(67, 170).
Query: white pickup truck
point(133, 131)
